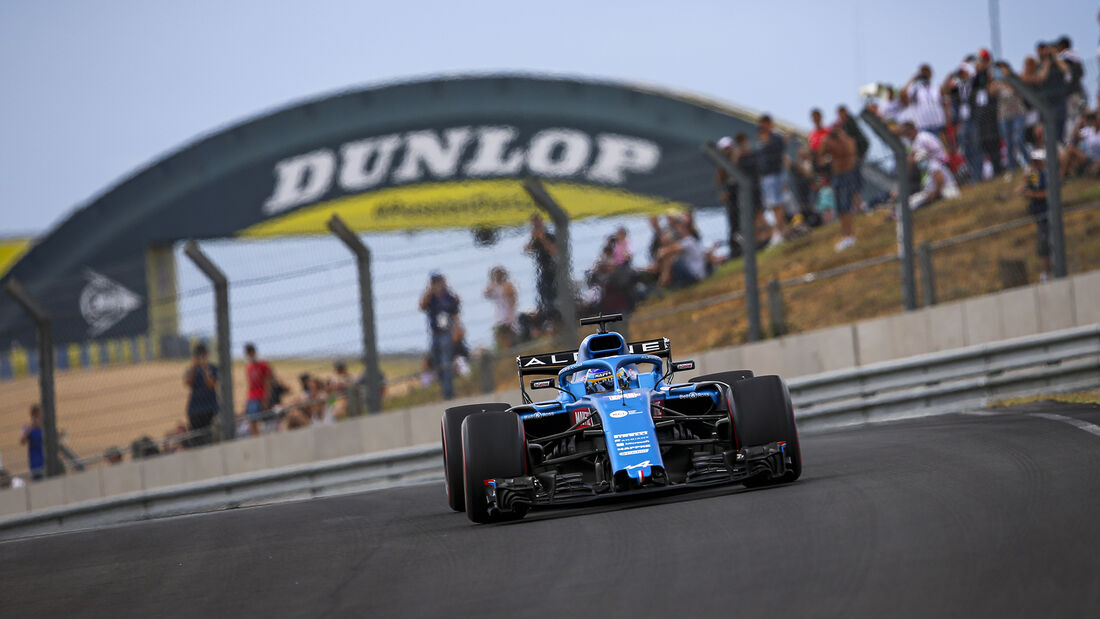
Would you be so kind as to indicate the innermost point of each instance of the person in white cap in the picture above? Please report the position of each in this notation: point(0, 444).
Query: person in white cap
point(1034, 188)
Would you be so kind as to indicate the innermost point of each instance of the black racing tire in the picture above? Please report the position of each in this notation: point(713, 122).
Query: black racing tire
point(492, 448)
point(729, 377)
point(451, 435)
point(763, 414)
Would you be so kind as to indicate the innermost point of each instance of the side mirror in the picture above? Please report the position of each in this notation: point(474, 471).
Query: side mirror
point(542, 383)
point(682, 366)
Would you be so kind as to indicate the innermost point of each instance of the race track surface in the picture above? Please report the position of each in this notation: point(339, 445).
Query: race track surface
point(978, 515)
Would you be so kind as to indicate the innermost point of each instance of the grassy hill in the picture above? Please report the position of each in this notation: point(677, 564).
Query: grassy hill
point(965, 270)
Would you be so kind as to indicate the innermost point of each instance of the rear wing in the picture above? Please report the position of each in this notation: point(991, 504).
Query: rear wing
point(549, 364)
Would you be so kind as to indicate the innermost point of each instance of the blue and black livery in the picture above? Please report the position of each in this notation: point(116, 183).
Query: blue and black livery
point(646, 433)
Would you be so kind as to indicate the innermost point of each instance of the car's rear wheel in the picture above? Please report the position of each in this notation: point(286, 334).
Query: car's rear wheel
point(728, 377)
point(492, 448)
point(763, 414)
point(451, 434)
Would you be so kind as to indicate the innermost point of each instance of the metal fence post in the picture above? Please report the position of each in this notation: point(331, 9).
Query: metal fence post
point(221, 316)
point(1054, 178)
point(747, 222)
point(371, 368)
point(48, 402)
point(905, 215)
point(928, 274)
point(564, 277)
point(775, 309)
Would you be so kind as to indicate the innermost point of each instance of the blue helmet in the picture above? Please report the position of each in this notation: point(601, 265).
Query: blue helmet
point(599, 380)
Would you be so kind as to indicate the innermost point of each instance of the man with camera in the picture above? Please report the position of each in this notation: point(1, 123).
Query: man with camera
point(441, 306)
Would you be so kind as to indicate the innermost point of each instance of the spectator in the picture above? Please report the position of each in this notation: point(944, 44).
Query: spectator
point(727, 194)
point(338, 387)
point(544, 248)
point(260, 385)
point(742, 155)
point(843, 160)
point(1053, 76)
point(295, 418)
point(936, 179)
point(113, 455)
point(657, 238)
point(503, 295)
point(144, 447)
point(621, 252)
point(1082, 155)
point(924, 102)
point(889, 106)
point(612, 280)
point(1075, 99)
point(802, 181)
point(34, 440)
point(1011, 116)
point(682, 262)
point(1036, 139)
point(923, 140)
point(7, 480)
point(173, 439)
point(771, 161)
point(1034, 188)
point(983, 110)
point(461, 357)
point(747, 162)
point(317, 399)
point(851, 127)
point(826, 199)
point(201, 377)
point(961, 121)
point(1030, 76)
point(441, 305)
point(818, 133)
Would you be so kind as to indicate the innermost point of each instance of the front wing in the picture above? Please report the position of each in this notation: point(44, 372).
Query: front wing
point(506, 495)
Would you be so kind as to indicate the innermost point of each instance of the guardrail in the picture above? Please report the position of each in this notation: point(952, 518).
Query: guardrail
point(937, 383)
point(327, 478)
point(950, 381)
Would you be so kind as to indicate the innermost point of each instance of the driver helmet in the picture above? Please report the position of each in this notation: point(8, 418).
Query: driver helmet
point(599, 380)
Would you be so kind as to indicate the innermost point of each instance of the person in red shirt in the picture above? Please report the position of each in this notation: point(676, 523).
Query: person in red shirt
point(817, 136)
point(260, 383)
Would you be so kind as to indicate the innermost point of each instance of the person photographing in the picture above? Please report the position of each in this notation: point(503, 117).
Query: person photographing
point(440, 304)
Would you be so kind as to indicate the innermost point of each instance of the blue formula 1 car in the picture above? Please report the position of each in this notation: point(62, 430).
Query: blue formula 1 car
point(619, 426)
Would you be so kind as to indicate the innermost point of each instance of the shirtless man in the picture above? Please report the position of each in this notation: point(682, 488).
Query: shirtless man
point(843, 161)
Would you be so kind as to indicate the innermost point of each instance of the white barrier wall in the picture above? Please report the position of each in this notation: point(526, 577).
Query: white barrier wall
point(1021, 311)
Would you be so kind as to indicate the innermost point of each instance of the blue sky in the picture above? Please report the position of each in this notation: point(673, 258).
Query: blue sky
point(93, 90)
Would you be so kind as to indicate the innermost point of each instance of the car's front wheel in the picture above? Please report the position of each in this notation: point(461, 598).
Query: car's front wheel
point(451, 434)
point(492, 448)
point(763, 414)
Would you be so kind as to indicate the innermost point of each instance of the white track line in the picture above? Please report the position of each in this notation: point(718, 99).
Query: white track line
point(1077, 423)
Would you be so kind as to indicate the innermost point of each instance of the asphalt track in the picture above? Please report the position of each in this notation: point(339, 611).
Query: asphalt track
point(978, 515)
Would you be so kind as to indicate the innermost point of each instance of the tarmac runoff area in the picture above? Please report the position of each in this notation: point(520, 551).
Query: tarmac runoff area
point(984, 514)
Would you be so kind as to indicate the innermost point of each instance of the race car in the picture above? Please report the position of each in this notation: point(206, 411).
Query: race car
point(618, 426)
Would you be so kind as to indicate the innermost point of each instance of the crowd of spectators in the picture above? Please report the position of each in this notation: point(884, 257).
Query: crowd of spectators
point(613, 284)
point(823, 181)
point(975, 125)
point(969, 127)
